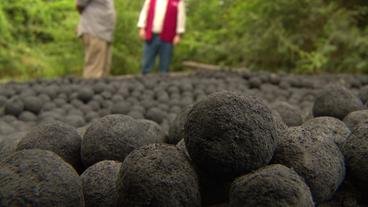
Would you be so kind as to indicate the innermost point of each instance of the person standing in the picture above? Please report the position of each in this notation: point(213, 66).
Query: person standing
point(96, 28)
point(161, 25)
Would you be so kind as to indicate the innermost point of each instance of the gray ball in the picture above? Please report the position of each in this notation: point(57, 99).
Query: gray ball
point(328, 127)
point(39, 178)
point(356, 117)
point(99, 184)
point(274, 185)
point(291, 115)
point(336, 101)
point(355, 150)
point(176, 130)
point(57, 137)
point(319, 161)
point(158, 175)
point(228, 134)
point(113, 137)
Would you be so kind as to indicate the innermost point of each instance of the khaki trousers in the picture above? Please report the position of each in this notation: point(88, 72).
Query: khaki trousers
point(97, 59)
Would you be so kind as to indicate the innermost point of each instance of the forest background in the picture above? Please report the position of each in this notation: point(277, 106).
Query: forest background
point(38, 39)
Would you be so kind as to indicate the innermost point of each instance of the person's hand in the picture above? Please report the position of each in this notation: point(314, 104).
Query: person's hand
point(142, 34)
point(177, 40)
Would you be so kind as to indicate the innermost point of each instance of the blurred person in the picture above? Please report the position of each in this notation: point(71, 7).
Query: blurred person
point(161, 25)
point(96, 28)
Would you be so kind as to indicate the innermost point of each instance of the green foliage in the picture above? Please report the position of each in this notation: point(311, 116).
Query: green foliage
point(38, 39)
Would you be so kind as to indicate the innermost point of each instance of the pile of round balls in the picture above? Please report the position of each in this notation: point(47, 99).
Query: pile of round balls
point(212, 139)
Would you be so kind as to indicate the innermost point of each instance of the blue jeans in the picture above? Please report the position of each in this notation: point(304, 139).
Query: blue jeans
point(153, 48)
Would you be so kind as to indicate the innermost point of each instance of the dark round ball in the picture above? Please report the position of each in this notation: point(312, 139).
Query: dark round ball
point(319, 162)
point(57, 137)
point(113, 137)
point(75, 120)
point(14, 107)
point(99, 184)
point(291, 115)
point(39, 178)
point(176, 130)
point(155, 114)
point(85, 94)
point(336, 101)
point(3, 100)
point(329, 128)
point(363, 94)
point(229, 134)
point(152, 131)
point(27, 116)
point(9, 142)
point(356, 117)
point(136, 114)
point(157, 175)
point(121, 108)
point(274, 185)
point(32, 104)
point(355, 150)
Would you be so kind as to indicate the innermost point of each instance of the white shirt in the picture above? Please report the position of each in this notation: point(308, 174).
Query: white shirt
point(160, 11)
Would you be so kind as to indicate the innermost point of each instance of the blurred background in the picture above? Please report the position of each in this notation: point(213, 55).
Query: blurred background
point(38, 39)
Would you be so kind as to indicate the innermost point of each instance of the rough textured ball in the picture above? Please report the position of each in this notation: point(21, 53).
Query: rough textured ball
point(113, 137)
point(152, 131)
point(291, 115)
point(85, 94)
point(14, 107)
point(319, 161)
point(356, 117)
point(32, 104)
point(157, 175)
point(363, 94)
point(355, 150)
point(27, 116)
point(39, 178)
point(176, 130)
point(228, 134)
point(336, 101)
point(328, 127)
point(57, 137)
point(155, 114)
point(99, 184)
point(274, 185)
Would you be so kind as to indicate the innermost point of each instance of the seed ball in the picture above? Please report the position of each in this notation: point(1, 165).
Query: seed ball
point(157, 175)
point(99, 184)
point(113, 137)
point(228, 134)
point(39, 178)
point(57, 137)
point(274, 185)
point(336, 101)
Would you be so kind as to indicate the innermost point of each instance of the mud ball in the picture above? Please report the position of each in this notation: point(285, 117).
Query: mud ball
point(9, 142)
point(176, 130)
point(155, 114)
point(320, 163)
point(99, 184)
point(75, 120)
point(329, 128)
point(14, 107)
point(39, 178)
point(120, 108)
point(152, 131)
point(355, 150)
point(57, 137)
point(291, 115)
point(157, 175)
point(356, 117)
point(274, 185)
point(228, 134)
point(32, 104)
point(363, 94)
point(136, 114)
point(280, 126)
point(336, 101)
point(85, 94)
point(27, 116)
point(113, 137)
